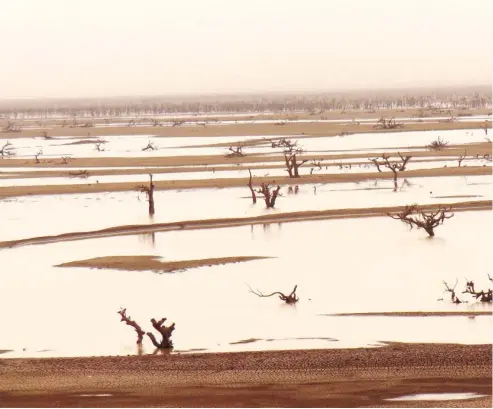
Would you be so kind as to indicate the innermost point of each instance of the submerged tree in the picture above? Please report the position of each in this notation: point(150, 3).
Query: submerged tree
point(159, 326)
point(438, 144)
point(235, 152)
point(150, 147)
point(291, 298)
point(413, 215)
point(36, 157)
point(483, 296)
point(385, 123)
point(252, 190)
point(395, 167)
point(149, 191)
point(270, 196)
point(7, 150)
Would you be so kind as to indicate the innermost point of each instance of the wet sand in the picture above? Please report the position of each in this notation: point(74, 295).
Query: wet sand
point(412, 314)
point(243, 129)
point(244, 221)
point(143, 263)
point(10, 191)
point(314, 378)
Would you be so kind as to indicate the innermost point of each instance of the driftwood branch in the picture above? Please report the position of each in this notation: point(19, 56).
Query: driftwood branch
point(291, 298)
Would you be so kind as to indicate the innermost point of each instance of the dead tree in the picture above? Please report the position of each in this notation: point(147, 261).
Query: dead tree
point(269, 197)
point(413, 216)
point(128, 321)
point(483, 296)
point(99, 146)
point(290, 145)
point(485, 128)
point(292, 298)
point(461, 158)
point(314, 166)
point(252, 190)
point(36, 157)
point(65, 159)
point(292, 165)
point(166, 332)
point(235, 152)
point(150, 147)
point(395, 167)
point(437, 145)
point(384, 123)
point(149, 191)
point(7, 150)
point(453, 296)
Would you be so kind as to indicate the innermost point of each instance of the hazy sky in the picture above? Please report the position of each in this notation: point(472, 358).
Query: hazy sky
point(121, 47)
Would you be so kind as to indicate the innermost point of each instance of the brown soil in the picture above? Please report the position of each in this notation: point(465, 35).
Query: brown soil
point(143, 263)
point(316, 378)
point(413, 314)
point(230, 222)
point(248, 129)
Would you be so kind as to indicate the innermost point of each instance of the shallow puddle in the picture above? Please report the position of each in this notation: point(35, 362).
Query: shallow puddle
point(438, 396)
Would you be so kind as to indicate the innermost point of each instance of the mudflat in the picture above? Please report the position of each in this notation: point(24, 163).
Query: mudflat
point(309, 378)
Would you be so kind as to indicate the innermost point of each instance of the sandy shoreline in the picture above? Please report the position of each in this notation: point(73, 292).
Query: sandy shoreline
point(321, 378)
point(244, 221)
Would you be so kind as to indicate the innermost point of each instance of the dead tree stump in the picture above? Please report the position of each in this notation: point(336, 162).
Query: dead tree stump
point(149, 191)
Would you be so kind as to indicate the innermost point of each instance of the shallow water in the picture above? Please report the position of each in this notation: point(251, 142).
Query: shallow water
point(31, 216)
point(132, 145)
point(353, 265)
